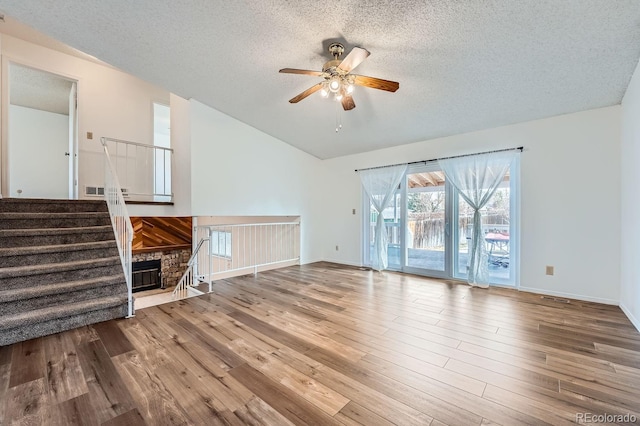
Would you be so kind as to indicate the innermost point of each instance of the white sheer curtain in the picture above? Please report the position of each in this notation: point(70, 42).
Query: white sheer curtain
point(380, 185)
point(477, 177)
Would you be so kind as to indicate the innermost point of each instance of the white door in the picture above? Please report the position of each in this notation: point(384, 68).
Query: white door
point(72, 149)
point(41, 134)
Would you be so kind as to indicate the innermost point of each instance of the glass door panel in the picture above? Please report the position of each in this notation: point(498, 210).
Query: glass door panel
point(426, 234)
point(392, 220)
point(496, 232)
point(465, 229)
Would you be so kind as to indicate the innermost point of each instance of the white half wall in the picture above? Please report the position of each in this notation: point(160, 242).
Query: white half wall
point(39, 140)
point(570, 199)
point(630, 214)
point(237, 170)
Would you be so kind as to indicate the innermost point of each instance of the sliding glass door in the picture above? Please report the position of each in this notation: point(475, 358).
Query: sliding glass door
point(426, 236)
point(429, 227)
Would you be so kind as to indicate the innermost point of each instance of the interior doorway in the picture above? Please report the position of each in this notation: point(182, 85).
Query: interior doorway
point(41, 138)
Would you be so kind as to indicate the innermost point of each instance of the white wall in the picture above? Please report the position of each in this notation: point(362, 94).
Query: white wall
point(39, 140)
point(110, 102)
point(181, 172)
point(240, 171)
point(630, 215)
point(570, 199)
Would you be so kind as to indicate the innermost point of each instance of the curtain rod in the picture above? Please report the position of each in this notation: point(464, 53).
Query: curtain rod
point(520, 148)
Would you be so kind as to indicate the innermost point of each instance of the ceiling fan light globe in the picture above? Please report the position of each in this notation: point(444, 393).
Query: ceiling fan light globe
point(350, 89)
point(324, 92)
point(334, 84)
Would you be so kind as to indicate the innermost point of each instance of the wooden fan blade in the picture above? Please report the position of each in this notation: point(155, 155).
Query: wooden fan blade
point(305, 72)
point(353, 59)
point(347, 103)
point(311, 90)
point(376, 83)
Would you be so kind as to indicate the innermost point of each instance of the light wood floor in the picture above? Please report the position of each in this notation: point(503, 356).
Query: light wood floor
point(325, 344)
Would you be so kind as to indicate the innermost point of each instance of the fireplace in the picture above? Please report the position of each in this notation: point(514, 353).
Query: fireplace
point(146, 275)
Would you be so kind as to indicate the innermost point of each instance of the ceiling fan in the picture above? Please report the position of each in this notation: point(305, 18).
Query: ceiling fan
point(338, 80)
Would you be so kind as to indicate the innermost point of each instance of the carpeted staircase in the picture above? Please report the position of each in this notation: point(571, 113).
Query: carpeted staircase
point(59, 267)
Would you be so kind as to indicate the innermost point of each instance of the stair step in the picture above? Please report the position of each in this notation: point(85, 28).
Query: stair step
point(53, 220)
point(36, 205)
point(49, 289)
point(29, 276)
point(44, 294)
point(31, 255)
point(54, 231)
point(44, 314)
point(54, 236)
point(59, 267)
point(40, 322)
point(48, 268)
point(57, 248)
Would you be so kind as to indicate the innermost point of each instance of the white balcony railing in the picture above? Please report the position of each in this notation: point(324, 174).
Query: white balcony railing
point(144, 170)
point(245, 248)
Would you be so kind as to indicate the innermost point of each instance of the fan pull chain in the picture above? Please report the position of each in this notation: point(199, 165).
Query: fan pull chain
point(338, 118)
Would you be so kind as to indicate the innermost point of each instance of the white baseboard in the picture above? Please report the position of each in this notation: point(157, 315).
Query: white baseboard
point(570, 296)
point(342, 262)
point(634, 320)
point(308, 261)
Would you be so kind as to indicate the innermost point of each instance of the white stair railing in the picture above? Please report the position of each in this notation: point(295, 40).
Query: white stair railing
point(120, 221)
point(190, 277)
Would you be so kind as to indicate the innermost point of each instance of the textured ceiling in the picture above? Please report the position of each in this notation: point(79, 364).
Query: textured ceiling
point(462, 66)
point(17, 29)
point(38, 90)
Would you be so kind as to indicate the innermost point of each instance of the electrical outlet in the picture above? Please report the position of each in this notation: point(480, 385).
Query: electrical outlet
point(89, 135)
point(337, 248)
point(549, 270)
